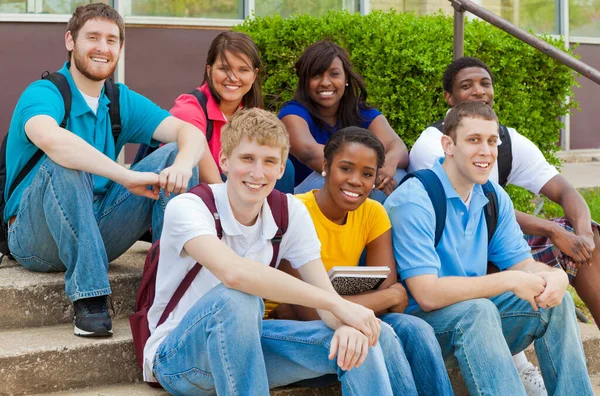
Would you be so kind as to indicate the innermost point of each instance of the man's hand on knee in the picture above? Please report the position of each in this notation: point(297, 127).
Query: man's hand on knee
point(359, 317)
point(528, 287)
point(138, 183)
point(175, 178)
point(556, 285)
point(577, 247)
point(350, 346)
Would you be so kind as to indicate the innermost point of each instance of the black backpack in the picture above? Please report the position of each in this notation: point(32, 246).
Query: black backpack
point(111, 90)
point(145, 150)
point(504, 152)
point(436, 193)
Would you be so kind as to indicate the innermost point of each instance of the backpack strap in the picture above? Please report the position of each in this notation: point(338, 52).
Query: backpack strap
point(205, 193)
point(436, 193)
point(279, 207)
point(491, 209)
point(61, 83)
point(504, 156)
point(114, 107)
point(439, 125)
point(201, 98)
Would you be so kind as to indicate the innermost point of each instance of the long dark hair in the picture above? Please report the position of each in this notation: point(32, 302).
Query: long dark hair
point(315, 60)
point(236, 43)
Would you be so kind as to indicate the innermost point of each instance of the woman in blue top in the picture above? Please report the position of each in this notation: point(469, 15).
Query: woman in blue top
point(331, 96)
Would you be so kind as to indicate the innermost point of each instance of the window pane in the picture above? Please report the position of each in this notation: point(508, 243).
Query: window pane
point(584, 18)
point(286, 8)
point(539, 15)
point(45, 6)
point(13, 6)
point(226, 9)
point(65, 6)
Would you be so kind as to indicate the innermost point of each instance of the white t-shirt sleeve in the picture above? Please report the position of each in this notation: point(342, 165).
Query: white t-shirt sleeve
point(300, 244)
point(530, 169)
point(426, 150)
point(186, 217)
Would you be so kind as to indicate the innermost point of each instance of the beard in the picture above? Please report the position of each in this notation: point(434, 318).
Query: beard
point(85, 67)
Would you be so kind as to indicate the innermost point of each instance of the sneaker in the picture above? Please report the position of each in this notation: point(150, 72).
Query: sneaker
point(91, 317)
point(532, 380)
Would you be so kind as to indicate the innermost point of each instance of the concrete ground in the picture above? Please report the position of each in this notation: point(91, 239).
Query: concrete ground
point(582, 174)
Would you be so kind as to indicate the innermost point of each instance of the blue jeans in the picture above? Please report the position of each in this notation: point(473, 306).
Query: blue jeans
point(62, 226)
point(481, 335)
point(223, 346)
point(315, 181)
point(422, 353)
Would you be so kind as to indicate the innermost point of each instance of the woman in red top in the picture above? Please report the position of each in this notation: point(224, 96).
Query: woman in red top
point(231, 81)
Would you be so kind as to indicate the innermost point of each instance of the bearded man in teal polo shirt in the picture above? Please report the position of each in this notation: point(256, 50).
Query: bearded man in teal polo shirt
point(77, 209)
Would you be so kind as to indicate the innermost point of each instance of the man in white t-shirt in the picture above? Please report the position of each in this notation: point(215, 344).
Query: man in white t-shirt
point(215, 339)
point(570, 242)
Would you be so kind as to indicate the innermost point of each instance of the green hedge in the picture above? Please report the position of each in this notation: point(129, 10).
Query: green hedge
point(402, 56)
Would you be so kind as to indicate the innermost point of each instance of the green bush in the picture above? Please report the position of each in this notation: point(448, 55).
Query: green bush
point(402, 56)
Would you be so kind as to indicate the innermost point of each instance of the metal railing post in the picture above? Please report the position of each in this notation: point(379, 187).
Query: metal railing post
point(459, 31)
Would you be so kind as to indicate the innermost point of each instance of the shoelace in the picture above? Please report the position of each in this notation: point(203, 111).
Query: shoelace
point(95, 305)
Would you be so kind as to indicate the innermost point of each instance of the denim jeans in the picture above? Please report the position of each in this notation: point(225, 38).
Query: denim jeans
point(62, 226)
point(481, 335)
point(423, 354)
point(223, 346)
point(315, 181)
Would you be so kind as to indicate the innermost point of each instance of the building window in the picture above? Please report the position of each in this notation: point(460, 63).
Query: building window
point(286, 8)
point(44, 6)
point(218, 9)
point(541, 16)
point(584, 18)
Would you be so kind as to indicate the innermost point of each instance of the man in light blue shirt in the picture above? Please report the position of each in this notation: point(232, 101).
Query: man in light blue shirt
point(479, 319)
point(77, 209)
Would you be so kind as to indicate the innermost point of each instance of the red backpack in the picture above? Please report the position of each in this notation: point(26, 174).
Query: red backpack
point(145, 297)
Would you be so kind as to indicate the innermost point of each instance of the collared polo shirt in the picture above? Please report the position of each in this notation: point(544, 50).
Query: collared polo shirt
point(139, 119)
point(188, 109)
point(463, 249)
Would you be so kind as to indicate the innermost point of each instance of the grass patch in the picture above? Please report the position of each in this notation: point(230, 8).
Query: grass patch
point(591, 196)
point(552, 210)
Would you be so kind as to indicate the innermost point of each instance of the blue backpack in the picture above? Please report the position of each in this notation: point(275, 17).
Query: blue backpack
point(436, 193)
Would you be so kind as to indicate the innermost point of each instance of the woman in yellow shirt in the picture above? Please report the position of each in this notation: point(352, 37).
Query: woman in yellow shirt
point(347, 222)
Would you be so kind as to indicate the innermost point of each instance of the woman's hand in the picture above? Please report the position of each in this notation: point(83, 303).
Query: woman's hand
point(385, 179)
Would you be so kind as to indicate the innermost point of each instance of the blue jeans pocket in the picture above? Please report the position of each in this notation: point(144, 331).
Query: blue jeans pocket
point(34, 263)
point(191, 382)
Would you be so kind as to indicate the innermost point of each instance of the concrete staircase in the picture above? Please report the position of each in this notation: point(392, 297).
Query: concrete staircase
point(39, 353)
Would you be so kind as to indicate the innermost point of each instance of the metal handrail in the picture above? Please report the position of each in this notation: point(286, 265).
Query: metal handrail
point(460, 6)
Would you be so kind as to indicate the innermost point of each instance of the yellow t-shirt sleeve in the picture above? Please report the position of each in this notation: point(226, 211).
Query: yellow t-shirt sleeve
point(379, 220)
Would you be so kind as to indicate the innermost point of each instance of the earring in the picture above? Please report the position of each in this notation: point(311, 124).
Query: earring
point(373, 186)
point(323, 174)
point(346, 84)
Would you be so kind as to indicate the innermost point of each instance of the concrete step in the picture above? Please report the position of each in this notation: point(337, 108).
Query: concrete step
point(48, 359)
point(32, 299)
point(141, 389)
point(596, 384)
point(51, 358)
